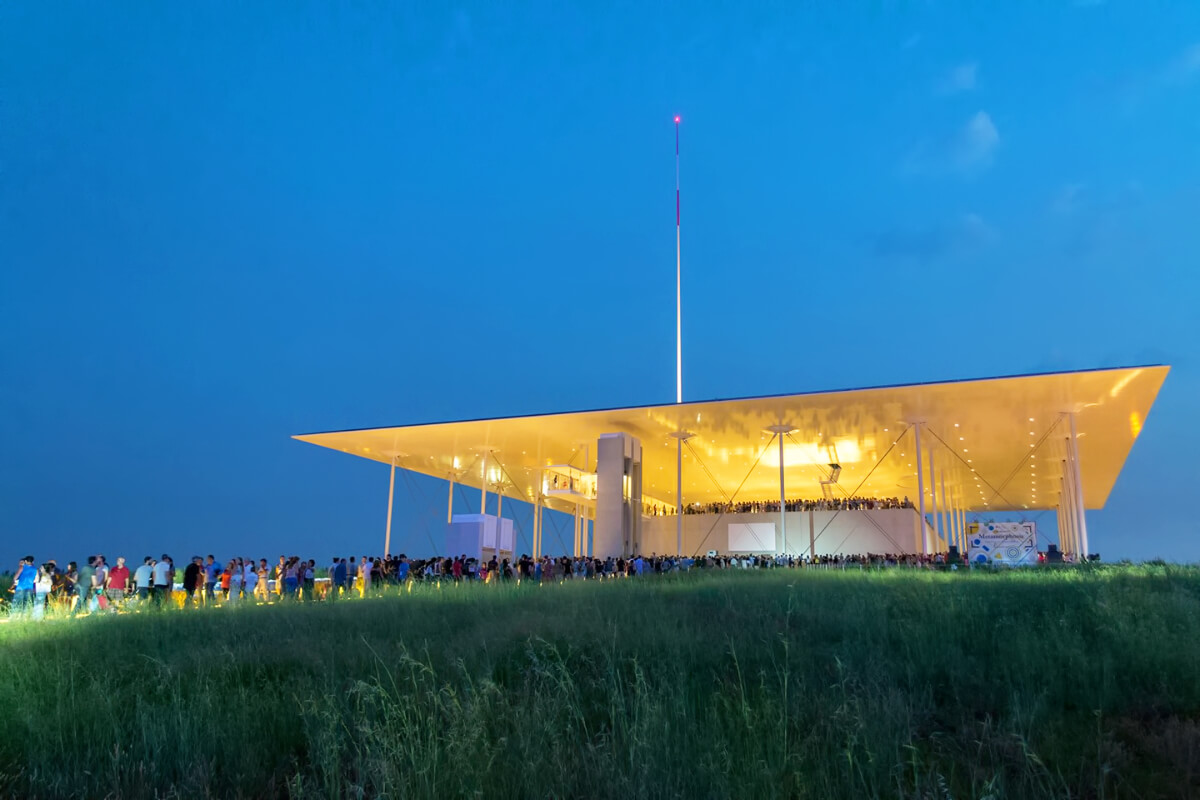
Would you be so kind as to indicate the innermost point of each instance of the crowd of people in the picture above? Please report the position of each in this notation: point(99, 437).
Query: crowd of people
point(772, 506)
point(98, 587)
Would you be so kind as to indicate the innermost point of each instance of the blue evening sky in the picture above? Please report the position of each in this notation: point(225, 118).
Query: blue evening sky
point(225, 223)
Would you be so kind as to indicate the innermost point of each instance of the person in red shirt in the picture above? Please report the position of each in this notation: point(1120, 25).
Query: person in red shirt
point(118, 584)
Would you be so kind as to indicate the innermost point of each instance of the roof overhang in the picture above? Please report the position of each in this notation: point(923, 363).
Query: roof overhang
point(998, 443)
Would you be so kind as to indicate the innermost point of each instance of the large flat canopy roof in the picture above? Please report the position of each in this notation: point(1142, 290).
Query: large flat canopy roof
point(998, 442)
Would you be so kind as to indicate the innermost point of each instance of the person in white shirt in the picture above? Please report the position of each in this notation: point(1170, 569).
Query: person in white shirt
point(249, 576)
point(236, 573)
point(43, 583)
point(142, 578)
point(162, 580)
point(99, 581)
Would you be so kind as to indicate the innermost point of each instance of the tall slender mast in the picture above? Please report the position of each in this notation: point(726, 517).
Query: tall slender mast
point(679, 435)
point(678, 303)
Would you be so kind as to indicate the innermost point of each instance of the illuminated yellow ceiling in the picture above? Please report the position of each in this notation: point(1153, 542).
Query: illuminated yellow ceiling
point(997, 442)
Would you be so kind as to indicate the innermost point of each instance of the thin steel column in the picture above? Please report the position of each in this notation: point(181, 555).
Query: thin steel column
point(575, 545)
point(958, 518)
point(1072, 514)
point(954, 520)
point(1064, 518)
point(922, 534)
point(1082, 508)
point(812, 535)
point(450, 502)
point(933, 497)
point(533, 542)
point(679, 495)
point(483, 486)
point(387, 537)
point(1060, 518)
point(946, 535)
point(782, 497)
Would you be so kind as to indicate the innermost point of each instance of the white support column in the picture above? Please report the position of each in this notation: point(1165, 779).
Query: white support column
point(533, 524)
point(1064, 519)
point(946, 534)
point(678, 494)
point(933, 497)
point(387, 536)
point(953, 509)
point(578, 531)
point(483, 486)
point(541, 527)
point(958, 519)
point(782, 497)
point(499, 501)
point(922, 535)
point(1072, 508)
point(450, 502)
point(812, 535)
point(1081, 508)
point(1058, 521)
point(957, 526)
point(781, 431)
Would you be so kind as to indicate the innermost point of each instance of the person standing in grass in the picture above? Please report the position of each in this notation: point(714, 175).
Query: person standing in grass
point(310, 579)
point(118, 583)
point(143, 577)
point(290, 580)
point(42, 587)
point(65, 591)
point(212, 573)
point(24, 583)
point(83, 592)
point(249, 578)
point(192, 578)
point(364, 576)
point(99, 601)
point(162, 575)
point(337, 578)
point(264, 580)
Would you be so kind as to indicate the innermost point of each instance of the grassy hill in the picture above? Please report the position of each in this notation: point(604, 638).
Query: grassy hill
point(1078, 682)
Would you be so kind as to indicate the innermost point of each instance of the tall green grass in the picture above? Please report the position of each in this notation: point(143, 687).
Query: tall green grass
point(1069, 683)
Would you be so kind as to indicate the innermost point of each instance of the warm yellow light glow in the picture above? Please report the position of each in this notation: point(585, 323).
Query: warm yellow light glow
point(1125, 381)
point(795, 455)
point(521, 449)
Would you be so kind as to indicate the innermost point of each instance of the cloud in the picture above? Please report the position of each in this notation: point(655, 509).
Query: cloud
point(962, 236)
point(967, 151)
point(1180, 71)
point(1094, 219)
point(1185, 66)
point(962, 78)
point(976, 142)
point(1067, 199)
